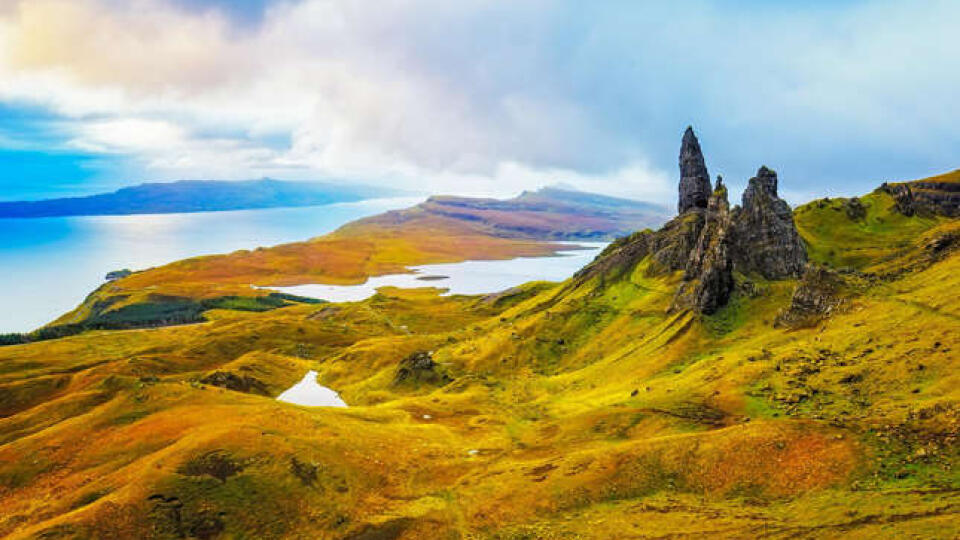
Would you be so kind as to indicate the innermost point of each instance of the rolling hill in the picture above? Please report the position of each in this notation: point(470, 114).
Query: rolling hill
point(752, 371)
point(529, 225)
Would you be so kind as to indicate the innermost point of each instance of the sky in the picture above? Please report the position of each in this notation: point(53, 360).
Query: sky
point(476, 97)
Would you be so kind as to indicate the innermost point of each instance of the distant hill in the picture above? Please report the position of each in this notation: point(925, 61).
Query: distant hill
point(439, 230)
point(546, 214)
point(195, 196)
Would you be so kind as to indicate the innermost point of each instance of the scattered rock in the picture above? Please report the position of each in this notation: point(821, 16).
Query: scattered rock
point(237, 383)
point(166, 515)
point(816, 296)
point(942, 243)
point(419, 368)
point(306, 472)
point(855, 209)
point(206, 524)
point(217, 464)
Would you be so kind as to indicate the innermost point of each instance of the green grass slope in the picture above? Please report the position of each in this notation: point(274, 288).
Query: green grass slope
point(576, 410)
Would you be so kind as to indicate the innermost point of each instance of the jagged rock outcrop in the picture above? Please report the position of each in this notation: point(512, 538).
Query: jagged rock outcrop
point(118, 274)
point(926, 197)
point(767, 241)
point(816, 296)
point(708, 240)
point(668, 248)
point(694, 179)
point(708, 276)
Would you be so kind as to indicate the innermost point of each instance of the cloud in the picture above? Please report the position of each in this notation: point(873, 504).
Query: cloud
point(129, 135)
point(493, 97)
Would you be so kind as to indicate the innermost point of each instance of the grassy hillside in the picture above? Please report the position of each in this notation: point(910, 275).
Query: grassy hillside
point(863, 233)
point(581, 409)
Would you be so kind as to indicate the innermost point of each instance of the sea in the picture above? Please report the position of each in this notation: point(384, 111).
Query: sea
point(49, 265)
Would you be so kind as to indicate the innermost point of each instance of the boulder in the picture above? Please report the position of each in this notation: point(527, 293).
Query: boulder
point(855, 209)
point(118, 274)
point(816, 297)
point(419, 368)
point(237, 383)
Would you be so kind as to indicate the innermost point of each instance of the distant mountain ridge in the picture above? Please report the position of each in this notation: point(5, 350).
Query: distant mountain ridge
point(550, 213)
point(195, 196)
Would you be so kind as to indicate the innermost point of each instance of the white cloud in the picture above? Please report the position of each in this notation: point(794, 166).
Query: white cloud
point(486, 96)
point(129, 134)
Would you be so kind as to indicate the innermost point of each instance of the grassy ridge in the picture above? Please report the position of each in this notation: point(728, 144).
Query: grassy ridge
point(864, 242)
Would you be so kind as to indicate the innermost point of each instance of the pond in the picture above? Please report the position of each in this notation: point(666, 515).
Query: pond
point(309, 392)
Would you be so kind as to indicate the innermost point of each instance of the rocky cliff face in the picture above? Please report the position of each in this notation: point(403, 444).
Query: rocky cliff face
point(927, 197)
point(767, 242)
point(708, 276)
point(694, 179)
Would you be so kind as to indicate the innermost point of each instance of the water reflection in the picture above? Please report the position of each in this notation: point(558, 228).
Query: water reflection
point(309, 392)
point(48, 265)
point(470, 277)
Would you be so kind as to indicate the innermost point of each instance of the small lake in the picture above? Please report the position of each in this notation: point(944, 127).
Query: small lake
point(309, 392)
point(469, 277)
point(49, 265)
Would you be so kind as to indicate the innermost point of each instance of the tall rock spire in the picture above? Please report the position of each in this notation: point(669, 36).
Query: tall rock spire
point(694, 180)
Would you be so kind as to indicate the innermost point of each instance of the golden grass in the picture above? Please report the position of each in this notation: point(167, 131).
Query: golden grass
point(577, 410)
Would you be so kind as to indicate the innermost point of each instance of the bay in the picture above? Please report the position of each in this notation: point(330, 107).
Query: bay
point(49, 265)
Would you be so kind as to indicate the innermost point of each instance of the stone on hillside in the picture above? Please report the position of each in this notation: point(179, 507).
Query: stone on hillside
point(855, 209)
point(816, 296)
point(767, 242)
point(418, 368)
point(118, 274)
point(694, 179)
point(237, 383)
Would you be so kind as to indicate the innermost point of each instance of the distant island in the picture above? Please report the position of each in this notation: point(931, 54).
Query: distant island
point(550, 213)
point(196, 196)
